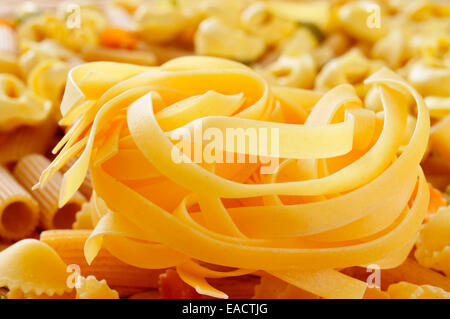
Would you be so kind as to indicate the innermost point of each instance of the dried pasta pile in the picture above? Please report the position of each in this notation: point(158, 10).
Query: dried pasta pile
point(101, 195)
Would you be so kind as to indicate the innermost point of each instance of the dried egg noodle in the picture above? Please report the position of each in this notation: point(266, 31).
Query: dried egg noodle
point(339, 198)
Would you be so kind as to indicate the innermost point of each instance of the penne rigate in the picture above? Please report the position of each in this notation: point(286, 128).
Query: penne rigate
point(126, 279)
point(27, 172)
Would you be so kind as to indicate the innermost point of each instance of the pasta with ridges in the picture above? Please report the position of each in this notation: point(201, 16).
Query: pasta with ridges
point(225, 149)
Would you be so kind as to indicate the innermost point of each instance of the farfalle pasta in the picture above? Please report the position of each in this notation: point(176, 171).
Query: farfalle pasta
point(225, 149)
point(215, 37)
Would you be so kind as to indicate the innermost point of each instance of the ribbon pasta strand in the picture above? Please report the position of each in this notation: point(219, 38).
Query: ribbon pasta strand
point(132, 115)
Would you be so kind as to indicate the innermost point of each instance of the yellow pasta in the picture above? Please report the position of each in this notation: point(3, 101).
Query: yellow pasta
point(439, 106)
point(352, 67)
point(83, 219)
point(49, 26)
point(26, 140)
point(273, 288)
point(86, 186)
point(34, 53)
point(296, 71)
point(98, 53)
point(433, 249)
point(31, 266)
point(46, 275)
point(19, 212)
point(237, 237)
point(430, 80)
point(214, 37)
point(317, 13)
point(20, 106)
point(27, 172)
point(159, 21)
point(48, 80)
point(9, 64)
point(119, 17)
point(364, 20)
point(122, 277)
point(225, 149)
point(8, 40)
point(91, 288)
point(412, 272)
point(404, 290)
point(258, 19)
point(440, 139)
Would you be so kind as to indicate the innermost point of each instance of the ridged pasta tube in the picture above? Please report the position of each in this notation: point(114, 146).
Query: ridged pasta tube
point(19, 211)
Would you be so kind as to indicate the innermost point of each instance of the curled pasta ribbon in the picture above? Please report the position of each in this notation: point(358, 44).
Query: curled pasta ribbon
point(33, 269)
point(320, 211)
point(160, 21)
point(19, 105)
point(433, 245)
